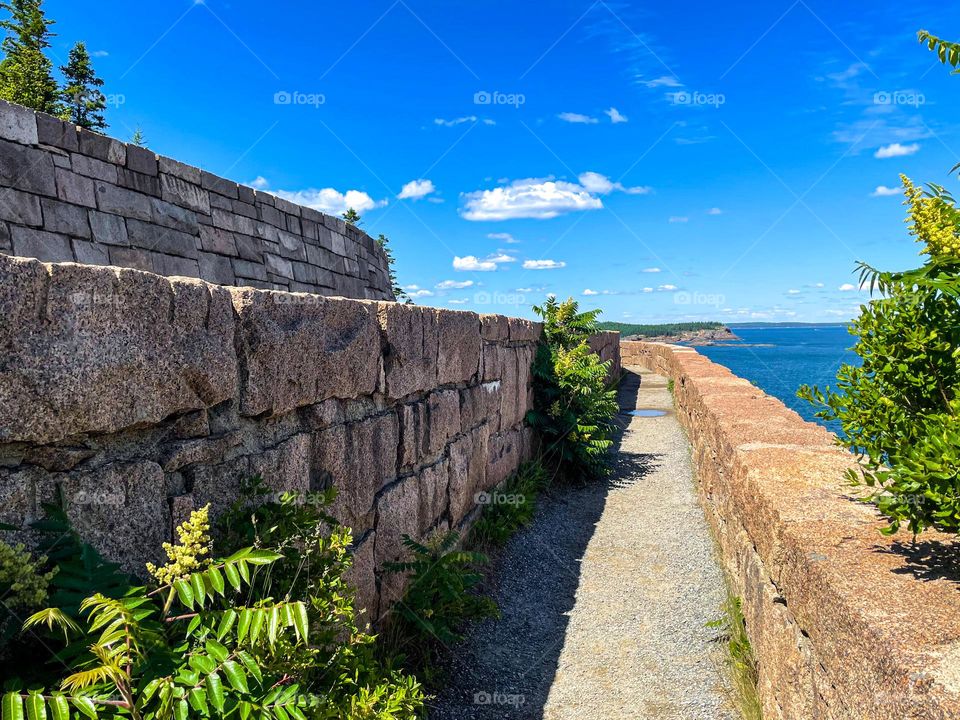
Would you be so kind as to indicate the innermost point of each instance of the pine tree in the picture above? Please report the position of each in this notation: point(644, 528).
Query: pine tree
point(138, 138)
point(352, 217)
point(83, 101)
point(26, 73)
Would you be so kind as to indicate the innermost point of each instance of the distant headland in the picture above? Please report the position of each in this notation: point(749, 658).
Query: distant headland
point(692, 333)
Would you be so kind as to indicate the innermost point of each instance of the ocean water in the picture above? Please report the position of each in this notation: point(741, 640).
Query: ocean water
point(781, 359)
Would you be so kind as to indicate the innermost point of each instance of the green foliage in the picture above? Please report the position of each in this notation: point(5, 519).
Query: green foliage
point(138, 138)
point(899, 409)
point(441, 597)
point(24, 585)
point(573, 405)
point(630, 329)
point(26, 74)
point(511, 506)
point(384, 243)
point(190, 552)
point(268, 632)
point(947, 52)
point(741, 663)
point(83, 100)
point(352, 217)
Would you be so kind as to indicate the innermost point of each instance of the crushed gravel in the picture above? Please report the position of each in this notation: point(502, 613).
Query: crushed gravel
point(605, 597)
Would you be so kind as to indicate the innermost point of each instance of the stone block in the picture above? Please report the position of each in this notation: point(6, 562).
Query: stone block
point(278, 266)
point(27, 168)
point(228, 220)
point(468, 471)
point(495, 328)
point(246, 194)
point(300, 349)
point(122, 510)
point(249, 270)
point(93, 168)
point(292, 246)
point(479, 404)
point(5, 242)
point(108, 229)
point(216, 269)
point(249, 248)
point(148, 236)
point(219, 241)
point(117, 349)
point(176, 190)
point(102, 147)
point(44, 246)
point(76, 189)
point(90, 253)
point(443, 408)
point(133, 258)
point(398, 511)
point(56, 133)
point(121, 201)
point(219, 185)
point(20, 207)
point(177, 169)
point(18, 124)
point(410, 339)
point(523, 330)
point(241, 208)
point(173, 216)
point(146, 184)
point(65, 218)
point(361, 576)
point(142, 160)
point(173, 266)
point(432, 485)
point(358, 459)
point(458, 357)
point(506, 454)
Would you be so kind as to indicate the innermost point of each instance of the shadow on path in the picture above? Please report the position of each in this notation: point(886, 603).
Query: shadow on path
point(505, 668)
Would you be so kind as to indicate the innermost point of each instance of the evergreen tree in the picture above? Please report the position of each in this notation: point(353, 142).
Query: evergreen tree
point(83, 101)
point(352, 217)
point(26, 73)
point(138, 138)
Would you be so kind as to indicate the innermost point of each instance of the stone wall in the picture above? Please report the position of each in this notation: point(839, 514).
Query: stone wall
point(136, 398)
point(606, 344)
point(71, 195)
point(846, 623)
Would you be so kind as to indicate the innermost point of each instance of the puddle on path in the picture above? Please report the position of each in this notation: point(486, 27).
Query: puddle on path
point(645, 412)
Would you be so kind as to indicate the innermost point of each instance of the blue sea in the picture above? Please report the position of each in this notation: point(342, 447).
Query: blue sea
point(781, 359)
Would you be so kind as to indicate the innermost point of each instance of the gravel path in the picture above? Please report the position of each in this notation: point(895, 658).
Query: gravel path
point(604, 597)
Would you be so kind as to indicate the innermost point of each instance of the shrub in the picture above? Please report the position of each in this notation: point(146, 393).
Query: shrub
point(441, 597)
point(573, 405)
point(741, 663)
point(512, 506)
point(268, 632)
point(899, 410)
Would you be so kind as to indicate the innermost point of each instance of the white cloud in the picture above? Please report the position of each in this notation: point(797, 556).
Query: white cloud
point(416, 189)
point(847, 287)
point(896, 150)
point(420, 293)
point(715, 211)
point(501, 258)
point(666, 288)
point(791, 291)
point(460, 120)
point(330, 200)
point(648, 290)
point(651, 270)
point(458, 301)
point(505, 237)
point(471, 263)
point(99, 53)
point(577, 118)
point(664, 81)
point(884, 191)
point(616, 116)
point(260, 183)
point(543, 264)
point(454, 284)
point(588, 291)
point(679, 219)
point(542, 198)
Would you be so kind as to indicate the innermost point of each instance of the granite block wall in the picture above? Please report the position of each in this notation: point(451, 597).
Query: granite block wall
point(71, 195)
point(135, 398)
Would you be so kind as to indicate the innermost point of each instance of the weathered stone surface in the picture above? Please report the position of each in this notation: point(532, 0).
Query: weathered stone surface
point(90, 253)
point(116, 349)
point(18, 124)
point(506, 453)
point(121, 201)
point(65, 218)
point(76, 189)
point(94, 169)
point(173, 216)
point(357, 459)
point(26, 168)
point(398, 511)
point(102, 147)
point(179, 170)
point(432, 484)
point(524, 330)
point(216, 269)
point(300, 349)
point(362, 577)
point(160, 239)
point(410, 337)
point(459, 341)
point(55, 132)
point(219, 185)
point(443, 419)
point(141, 160)
point(123, 510)
point(494, 327)
point(178, 191)
point(21, 208)
point(479, 403)
point(108, 229)
point(45, 246)
point(468, 471)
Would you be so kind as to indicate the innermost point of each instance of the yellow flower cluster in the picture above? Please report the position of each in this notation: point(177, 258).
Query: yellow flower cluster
point(932, 221)
point(21, 574)
point(190, 554)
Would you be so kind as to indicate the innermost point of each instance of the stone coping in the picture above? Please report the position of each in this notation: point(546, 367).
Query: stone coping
point(846, 622)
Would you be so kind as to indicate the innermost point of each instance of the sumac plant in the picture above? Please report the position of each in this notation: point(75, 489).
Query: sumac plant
point(574, 403)
point(899, 407)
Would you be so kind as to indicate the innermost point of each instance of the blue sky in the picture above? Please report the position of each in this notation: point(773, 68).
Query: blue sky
point(662, 161)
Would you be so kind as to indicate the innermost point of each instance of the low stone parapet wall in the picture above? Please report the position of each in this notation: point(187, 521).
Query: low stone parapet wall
point(846, 623)
point(135, 398)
